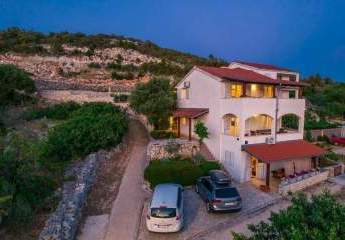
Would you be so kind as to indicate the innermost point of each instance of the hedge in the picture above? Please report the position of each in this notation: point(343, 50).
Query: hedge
point(181, 171)
point(58, 111)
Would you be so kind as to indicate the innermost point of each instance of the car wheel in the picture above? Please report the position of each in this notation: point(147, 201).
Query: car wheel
point(208, 207)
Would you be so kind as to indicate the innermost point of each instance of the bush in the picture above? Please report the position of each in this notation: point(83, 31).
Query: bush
point(206, 166)
point(176, 170)
point(59, 111)
point(120, 98)
point(313, 218)
point(323, 138)
point(24, 184)
point(183, 172)
point(94, 65)
point(94, 126)
point(16, 85)
point(122, 76)
point(155, 99)
point(162, 134)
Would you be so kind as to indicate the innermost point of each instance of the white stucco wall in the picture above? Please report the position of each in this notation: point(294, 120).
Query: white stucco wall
point(207, 91)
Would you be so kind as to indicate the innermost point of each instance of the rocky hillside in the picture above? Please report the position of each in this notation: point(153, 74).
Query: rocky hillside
point(101, 62)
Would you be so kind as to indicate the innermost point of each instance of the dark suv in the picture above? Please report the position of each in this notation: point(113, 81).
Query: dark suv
point(217, 192)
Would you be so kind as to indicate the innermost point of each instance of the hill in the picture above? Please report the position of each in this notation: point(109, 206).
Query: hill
point(101, 60)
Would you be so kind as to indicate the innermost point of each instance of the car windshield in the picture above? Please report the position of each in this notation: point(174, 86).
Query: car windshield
point(226, 193)
point(163, 212)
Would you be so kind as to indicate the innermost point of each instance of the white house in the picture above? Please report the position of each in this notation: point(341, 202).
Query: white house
point(255, 117)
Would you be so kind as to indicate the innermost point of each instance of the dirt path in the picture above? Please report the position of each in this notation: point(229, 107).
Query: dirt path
point(114, 172)
point(125, 214)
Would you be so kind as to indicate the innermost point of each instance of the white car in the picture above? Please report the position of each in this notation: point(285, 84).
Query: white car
point(165, 212)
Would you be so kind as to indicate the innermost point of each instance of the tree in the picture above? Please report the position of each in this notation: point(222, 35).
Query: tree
point(156, 100)
point(201, 130)
point(16, 85)
point(321, 217)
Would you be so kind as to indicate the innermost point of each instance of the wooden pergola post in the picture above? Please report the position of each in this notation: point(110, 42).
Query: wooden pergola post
point(178, 127)
point(190, 129)
point(268, 173)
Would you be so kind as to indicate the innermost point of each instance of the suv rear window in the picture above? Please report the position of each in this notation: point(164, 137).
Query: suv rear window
point(226, 193)
point(163, 212)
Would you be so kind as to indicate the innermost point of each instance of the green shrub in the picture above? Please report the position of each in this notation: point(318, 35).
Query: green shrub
point(162, 134)
point(206, 166)
point(120, 98)
point(94, 65)
point(59, 111)
point(24, 183)
point(16, 85)
point(183, 172)
point(323, 138)
point(92, 127)
point(176, 170)
point(122, 75)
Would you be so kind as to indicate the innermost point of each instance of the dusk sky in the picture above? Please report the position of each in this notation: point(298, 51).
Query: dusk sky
point(305, 35)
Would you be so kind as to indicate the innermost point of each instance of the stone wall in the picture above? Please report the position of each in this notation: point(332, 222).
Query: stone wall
point(326, 132)
point(302, 184)
point(158, 149)
point(65, 85)
point(331, 169)
point(63, 223)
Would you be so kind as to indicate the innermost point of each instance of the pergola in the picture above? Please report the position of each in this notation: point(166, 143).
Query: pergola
point(190, 113)
point(282, 151)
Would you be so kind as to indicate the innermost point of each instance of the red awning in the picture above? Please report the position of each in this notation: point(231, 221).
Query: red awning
point(283, 150)
point(190, 112)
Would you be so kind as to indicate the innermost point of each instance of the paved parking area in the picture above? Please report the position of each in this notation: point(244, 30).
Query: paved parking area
point(199, 222)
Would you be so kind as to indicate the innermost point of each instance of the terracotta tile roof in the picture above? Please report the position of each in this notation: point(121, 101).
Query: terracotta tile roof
point(190, 112)
point(243, 75)
point(264, 66)
point(283, 150)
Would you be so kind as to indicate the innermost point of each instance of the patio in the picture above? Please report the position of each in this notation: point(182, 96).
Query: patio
point(284, 165)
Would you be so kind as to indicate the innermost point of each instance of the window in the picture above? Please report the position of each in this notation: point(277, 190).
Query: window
point(231, 123)
point(184, 93)
point(254, 90)
point(287, 77)
point(268, 91)
point(292, 94)
point(207, 185)
point(229, 159)
point(179, 197)
point(236, 90)
point(163, 212)
point(227, 193)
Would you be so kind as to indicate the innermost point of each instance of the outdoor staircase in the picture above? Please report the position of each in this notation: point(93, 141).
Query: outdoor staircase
point(205, 152)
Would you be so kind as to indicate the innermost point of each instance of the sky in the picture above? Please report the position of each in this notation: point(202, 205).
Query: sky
point(304, 35)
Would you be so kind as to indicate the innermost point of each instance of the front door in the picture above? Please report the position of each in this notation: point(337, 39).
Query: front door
point(253, 165)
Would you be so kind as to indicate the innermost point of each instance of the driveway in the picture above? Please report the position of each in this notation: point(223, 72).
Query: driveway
point(200, 223)
point(126, 210)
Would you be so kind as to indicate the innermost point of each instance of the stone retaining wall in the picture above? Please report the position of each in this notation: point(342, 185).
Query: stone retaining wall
point(64, 85)
point(326, 132)
point(158, 149)
point(63, 223)
point(331, 169)
point(300, 185)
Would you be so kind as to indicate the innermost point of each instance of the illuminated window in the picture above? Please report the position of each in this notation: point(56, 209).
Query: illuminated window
point(231, 124)
point(185, 93)
point(253, 90)
point(236, 90)
point(268, 91)
point(184, 121)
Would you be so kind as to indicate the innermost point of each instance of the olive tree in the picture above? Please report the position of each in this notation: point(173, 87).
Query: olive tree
point(321, 217)
point(155, 99)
